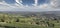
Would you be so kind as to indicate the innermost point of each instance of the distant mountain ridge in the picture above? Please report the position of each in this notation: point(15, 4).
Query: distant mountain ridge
point(28, 12)
point(52, 12)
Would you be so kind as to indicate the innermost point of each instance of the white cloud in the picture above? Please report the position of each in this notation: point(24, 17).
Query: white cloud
point(55, 3)
point(19, 7)
point(44, 6)
point(19, 2)
point(5, 4)
point(36, 2)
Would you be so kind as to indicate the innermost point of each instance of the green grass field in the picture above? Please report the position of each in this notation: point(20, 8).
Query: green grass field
point(12, 21)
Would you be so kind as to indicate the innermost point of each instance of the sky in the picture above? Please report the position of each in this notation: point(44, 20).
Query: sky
point(29, 5)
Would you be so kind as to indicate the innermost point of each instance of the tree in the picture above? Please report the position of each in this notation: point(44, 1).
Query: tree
point(17, 20)
point(2, 20)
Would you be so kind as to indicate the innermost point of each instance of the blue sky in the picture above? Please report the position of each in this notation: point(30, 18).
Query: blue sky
point(29, 5)
point(10, 1)
point(26, 2)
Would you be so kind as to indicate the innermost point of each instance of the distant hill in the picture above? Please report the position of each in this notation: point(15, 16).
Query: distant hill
point(57, 13)
point(27, 12)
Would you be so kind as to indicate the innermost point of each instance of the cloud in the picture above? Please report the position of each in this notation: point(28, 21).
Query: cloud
point(18, 6)
point(55, 3)
point(5, 4)
point(19, 2)
point(35, 3)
